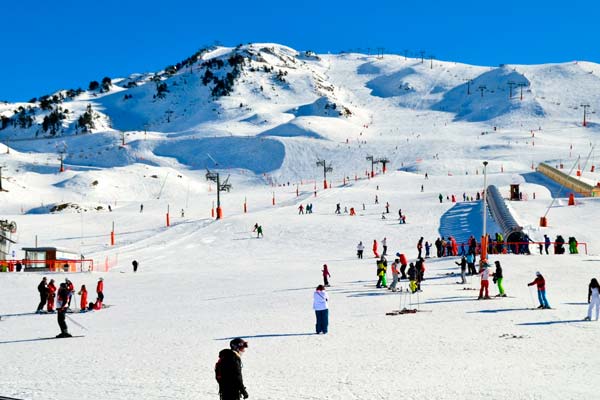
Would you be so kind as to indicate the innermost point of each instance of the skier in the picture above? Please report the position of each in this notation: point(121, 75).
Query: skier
point(384, 244)
point(546, 243)
point(420, 246)
point(497, 277)
point(463, 268)
point(141, 208)
point(83, 294)
point(485, 283)
point(427, 248)
point(228, 371)
point(412, 277)
point(375, 248)
point(300, 209)
point(51, 296)
point(441, 197)
point(381, 267)
point(593, 299)
point(338, 208)
point(182, 213)
point(394, 275)
point(387, 207)
point(71, 289)
point(100, 292)
point(63, 298)
point(326, 275)
point(258, 230)
point(420, 269)
point(43, 289)
point(135, 265)
point(321, 307)
point(376, 199)
point(359, 249)
point(471, 264)
point(403, 264)
point(541, 288)
point(438, 247)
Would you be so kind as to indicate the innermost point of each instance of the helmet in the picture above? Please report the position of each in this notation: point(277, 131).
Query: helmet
point(238, 343)
point(538, 273)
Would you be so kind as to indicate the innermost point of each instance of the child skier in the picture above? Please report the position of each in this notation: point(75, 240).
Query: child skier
point(593, 299)
point(326, 275)
point(541, 287)
point(485, 283)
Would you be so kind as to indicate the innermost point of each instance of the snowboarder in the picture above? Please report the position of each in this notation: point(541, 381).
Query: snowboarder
point(463, 269)
point(135, 265)
point(375, 248)
point(228, 371)
point(43, 289)
point(485, 283)
point(63, 299)
point(541, 289)
point(326, 275)
point(359, 250)
point(83, 293)
point(100, 293)
point(497, 278)
point(258, 230)
point(51, 296)
point(321, 307)
point(593, 299)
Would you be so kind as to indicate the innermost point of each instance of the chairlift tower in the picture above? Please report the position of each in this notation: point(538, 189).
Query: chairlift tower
point(225, 186)
point(384, 161)
point(326, 169)
point(585, 107)
point(373, 162)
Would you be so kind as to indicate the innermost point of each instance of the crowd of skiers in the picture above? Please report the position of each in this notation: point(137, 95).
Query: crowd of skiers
point(59, 300)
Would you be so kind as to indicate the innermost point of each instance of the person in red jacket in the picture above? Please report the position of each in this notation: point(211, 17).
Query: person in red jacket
point(326, 275)
point(541, 288)
point(83, 294)
point(375, 248)
point(71, 289)
point(403, 264)
point(51, 295)
point(100, 292)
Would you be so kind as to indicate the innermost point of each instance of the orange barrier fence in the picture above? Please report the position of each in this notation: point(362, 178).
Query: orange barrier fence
point(47, 265)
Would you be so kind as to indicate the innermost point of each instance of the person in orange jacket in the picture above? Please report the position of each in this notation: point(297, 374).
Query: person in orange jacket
point(51, 296)
point(100, 292)
point(83, 294)
point(375, 248)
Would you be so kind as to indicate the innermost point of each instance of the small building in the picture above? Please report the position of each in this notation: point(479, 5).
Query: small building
point(50, 259)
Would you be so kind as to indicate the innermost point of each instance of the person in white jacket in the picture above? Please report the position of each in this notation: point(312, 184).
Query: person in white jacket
point(359, 249)
point(321, 307)
point(593, 299)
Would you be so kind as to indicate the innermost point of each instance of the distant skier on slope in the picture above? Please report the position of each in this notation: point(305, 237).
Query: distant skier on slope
point(258, 229)
point(326, 275)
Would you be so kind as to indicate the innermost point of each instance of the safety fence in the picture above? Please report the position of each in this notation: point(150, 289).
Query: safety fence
point(568, 181)
point(495, 247)
point(47, 265)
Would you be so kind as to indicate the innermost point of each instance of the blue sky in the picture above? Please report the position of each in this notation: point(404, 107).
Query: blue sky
point(61, 44)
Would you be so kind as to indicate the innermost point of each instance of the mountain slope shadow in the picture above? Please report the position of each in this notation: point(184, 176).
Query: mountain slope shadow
point(464, 220)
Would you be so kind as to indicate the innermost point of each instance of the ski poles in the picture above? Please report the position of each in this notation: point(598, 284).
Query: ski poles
point(76, 323)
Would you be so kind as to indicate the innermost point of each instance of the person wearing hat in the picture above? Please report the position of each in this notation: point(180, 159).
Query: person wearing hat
point(541, 288)
point(43, 289)
point(498, 277)
point(485, 283)
point(228, 371)
point(61, 307)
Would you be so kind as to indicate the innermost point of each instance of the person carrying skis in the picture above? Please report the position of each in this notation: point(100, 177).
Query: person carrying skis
point(228, 371)
point(485, 283)
point(61, 307)
point(43, 289)
point(541, 289)
point(497, 277)
point(326, 275)
point(593, 299)
point(51, 296)
point(360, 247)
point(321, 307)
point(83, 293)
point(375, 248)
point(463, 269)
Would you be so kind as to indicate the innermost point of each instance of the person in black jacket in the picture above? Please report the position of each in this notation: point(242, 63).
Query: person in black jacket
point(63, 301)
point(463, 269)
point(229, 371)
point(43, 289)
point(498, 277)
